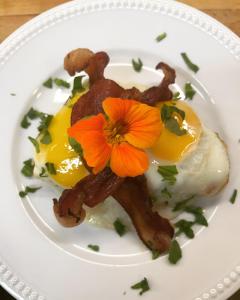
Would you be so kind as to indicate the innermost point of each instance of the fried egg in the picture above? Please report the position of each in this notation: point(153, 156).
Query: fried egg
point(199, 156)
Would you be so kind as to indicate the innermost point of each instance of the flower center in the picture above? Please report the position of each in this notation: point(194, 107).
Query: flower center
point(115, 132)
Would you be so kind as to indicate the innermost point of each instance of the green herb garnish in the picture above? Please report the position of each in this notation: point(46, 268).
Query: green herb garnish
point(142, 285)
point(185, 227)
point(50, 168)
point(182, 204)
point(28, 167)
point(27, 190)
point(45, 121)
point(168, 173)
point(234, 196)
point(189, 91)
point(25, 123)
point(43, 173)
point(168, 116)
point(198, 213)
point(46, 138)
point(33, 114)
point(137, 65)
point(61, 83)
point(119, 227)
point(48, 83)
point(77, 85)
point(189, 63)
point(161, 37)
point(176, 96)
point(75, 145)
point(155, 254)
point(166, 192)
point(94, 247)
point(175, 252)
point(35, 143)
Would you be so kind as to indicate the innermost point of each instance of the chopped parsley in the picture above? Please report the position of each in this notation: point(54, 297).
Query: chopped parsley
point(189, 63)
point(35, 143)
point(166, 192)
point(43, 173)
point(175, 252)
point(94, 247)
point(169, 114)
point(189, 91)
point(48, 83)
point(27, 190)
point(155, 254)
point(234, 196)
point(28, 167)
point(142, 285)
point(46, 138)
point(181, 205)
point(185, 227)
point(137, 65)
point(77, 85)
point(168, 173)
point(119, 227)
point(25, 123)
point(75, 145)
point(161, 37)
point(50, 168)
point(176, 96)
point(61, 83)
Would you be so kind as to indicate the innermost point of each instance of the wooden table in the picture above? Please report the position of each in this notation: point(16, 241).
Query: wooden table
point(15, 13)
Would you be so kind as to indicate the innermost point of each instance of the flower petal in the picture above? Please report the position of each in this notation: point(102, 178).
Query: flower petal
point(117, 109)
point(144, 125)
point(127, 160)
point(89, 133)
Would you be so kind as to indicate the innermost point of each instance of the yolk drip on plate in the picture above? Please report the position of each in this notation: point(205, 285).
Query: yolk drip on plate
point(68, 164)
point(171, 147)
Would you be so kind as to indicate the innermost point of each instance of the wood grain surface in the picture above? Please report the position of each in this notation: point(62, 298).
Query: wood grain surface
point(15, 13)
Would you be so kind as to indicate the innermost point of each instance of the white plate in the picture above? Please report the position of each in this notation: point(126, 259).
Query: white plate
point(41, 260)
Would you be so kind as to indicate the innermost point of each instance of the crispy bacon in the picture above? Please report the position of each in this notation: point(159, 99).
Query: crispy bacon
point(91, 102)
point(91, 190)
point(132, 193)
point(155, 231)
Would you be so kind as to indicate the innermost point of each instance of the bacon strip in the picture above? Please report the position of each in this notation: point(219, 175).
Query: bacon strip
point(91, 190)
point(155, 231)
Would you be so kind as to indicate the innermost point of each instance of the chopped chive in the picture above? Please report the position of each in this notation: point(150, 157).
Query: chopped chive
point(43, 173)
point(185, 227)
point(28, 167)
point(25, 123)
point(189, 63)
point(48, 83)
point(77, 85)
point(75, 145)
point(155, 254)
point(176, 96)
point(168, 173)
point(50, 168)
point(46, 119)
point(161, 37)
point(137, 65)
point(61, 83)
point(175, 252)
point(35, 143)
point(28, 189)
point(183, 204)
point(94, 247)
point(142, 285)
point(234, 196)
point(189, 91)
point(119, 227)
point(46, 138)
point(166, 192)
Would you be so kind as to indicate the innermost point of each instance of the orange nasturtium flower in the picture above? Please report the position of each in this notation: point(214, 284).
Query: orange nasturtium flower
point(119, 137)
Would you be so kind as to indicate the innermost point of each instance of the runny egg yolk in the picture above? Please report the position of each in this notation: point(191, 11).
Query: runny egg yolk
point(67, 163)
point(172, 147)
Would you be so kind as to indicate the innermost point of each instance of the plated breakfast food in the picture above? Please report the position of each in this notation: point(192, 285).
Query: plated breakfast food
point(145, 150)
